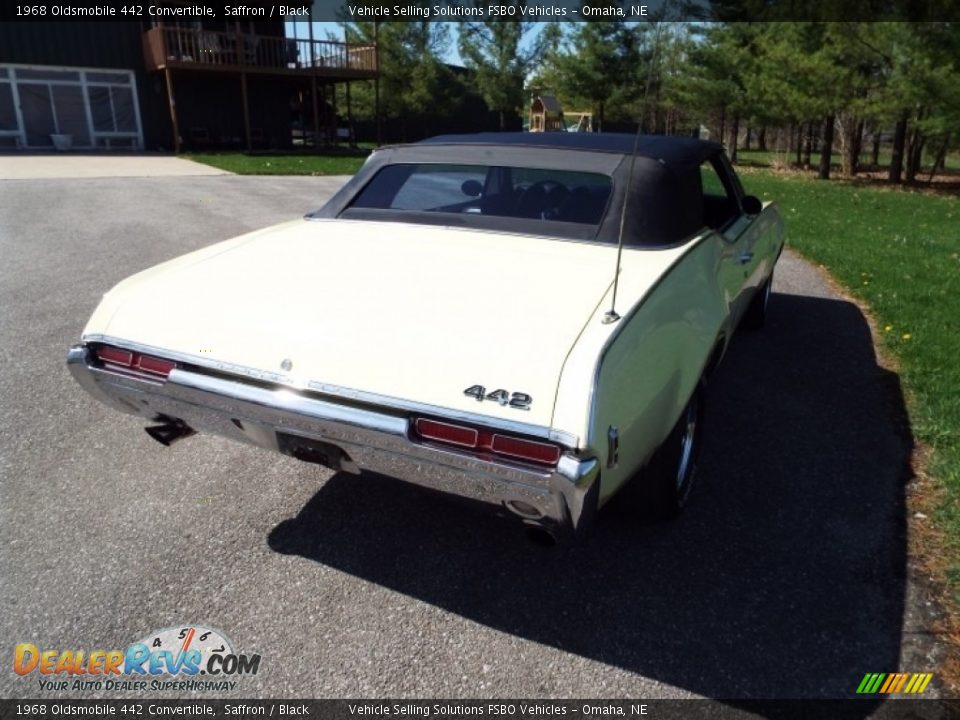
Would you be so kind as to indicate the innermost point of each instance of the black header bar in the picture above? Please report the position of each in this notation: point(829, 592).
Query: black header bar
point(466, 10)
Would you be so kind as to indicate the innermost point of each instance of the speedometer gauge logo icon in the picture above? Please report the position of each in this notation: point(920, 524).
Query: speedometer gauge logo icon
point(197, 642)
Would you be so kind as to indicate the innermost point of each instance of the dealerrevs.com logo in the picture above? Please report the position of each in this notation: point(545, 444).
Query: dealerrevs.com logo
point(182, 658)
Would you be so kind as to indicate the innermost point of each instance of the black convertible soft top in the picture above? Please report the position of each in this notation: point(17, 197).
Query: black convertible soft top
point(672, 150)
point(665, 204)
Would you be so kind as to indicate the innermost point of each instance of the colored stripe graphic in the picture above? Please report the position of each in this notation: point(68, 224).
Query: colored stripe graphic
point(918, 683)
point(893, 683)
point(902, 682)
point(911, 686)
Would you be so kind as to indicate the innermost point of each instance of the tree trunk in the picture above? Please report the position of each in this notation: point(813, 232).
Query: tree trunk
point(734, 132)
point(799, 141)
point(915, 156)
point(852, 143)
point(875, 153)
point(503, 121)
point(915, 149)
point(808, 146)
point(858, 141)
point(939, 163)
point(723, 124)
point(896, 159)
point(762, 139)
point(746, 139)
point(826, 148)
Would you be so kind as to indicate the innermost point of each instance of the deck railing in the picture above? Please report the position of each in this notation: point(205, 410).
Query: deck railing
point(184, 47)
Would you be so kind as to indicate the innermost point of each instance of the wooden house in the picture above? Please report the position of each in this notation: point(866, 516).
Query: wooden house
point(173, 85)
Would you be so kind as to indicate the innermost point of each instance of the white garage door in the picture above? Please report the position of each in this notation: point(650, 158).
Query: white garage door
point(93, 108)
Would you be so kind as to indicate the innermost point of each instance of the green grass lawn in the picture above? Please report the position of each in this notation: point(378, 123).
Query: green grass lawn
point(243, 164)
point(900, 252)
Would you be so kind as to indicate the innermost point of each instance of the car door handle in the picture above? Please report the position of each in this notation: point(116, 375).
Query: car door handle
point(745, 258)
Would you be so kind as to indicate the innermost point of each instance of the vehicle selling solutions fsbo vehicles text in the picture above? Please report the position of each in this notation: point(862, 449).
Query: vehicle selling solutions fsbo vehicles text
point(457, 11)
point(490, 709)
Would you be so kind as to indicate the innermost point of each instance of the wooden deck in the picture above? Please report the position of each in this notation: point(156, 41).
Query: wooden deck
point(186, 49)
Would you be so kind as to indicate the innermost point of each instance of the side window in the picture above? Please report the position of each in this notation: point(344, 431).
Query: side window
point(564, 195)
point(719, 202)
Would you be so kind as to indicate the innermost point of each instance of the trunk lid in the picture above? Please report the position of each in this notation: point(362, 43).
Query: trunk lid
point(418, 313)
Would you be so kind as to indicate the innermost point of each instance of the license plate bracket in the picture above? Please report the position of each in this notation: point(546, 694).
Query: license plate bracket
point(311, 450)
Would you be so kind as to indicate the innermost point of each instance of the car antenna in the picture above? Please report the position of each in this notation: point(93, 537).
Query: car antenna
point(611, 316)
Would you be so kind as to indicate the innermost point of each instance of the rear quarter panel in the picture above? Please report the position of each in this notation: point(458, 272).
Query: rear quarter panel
point(638, 374)
point(644, 370)
point(770, 233)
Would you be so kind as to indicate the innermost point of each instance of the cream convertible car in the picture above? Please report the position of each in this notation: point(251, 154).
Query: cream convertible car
point(451, 318)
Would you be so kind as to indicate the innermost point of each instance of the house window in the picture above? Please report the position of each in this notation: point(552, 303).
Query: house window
point(9, 127)
point(96, 108)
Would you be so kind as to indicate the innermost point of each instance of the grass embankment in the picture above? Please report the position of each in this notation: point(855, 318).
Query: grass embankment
point(243, 164)
point(900, 253)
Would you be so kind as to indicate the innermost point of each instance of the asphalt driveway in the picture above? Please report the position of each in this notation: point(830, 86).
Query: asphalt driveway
point(787, 577)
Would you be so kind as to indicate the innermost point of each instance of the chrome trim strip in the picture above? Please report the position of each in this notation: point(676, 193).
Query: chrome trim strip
point(564, 438)
point(565, 497)
point(291, 402)
point(219, 366)
point(568, 440)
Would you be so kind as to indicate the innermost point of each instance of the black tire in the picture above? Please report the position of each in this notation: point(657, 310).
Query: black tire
point(670, 474)
point(755, 316)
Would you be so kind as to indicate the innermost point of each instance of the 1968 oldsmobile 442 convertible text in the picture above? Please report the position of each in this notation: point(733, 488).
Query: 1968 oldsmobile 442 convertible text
point(451, 318)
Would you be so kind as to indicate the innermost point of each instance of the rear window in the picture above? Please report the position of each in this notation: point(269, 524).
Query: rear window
point(563, 196)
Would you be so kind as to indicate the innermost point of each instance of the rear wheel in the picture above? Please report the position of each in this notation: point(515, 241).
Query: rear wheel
point(671, 472)
point(756, 314)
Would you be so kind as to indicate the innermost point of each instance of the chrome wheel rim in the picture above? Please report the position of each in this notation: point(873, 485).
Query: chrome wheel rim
point(687, 441)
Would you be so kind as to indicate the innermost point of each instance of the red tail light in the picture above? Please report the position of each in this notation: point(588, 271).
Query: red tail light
point(526, 449)
point(445, 432)
point(136, 362)
point(115, 356)
point(154, 365)
point(464, 436)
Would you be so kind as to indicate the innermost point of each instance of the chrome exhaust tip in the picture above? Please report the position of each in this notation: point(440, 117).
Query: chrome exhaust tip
point(169, 431)
point(524, 510)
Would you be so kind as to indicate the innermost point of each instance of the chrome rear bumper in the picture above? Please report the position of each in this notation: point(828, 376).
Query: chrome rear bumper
point(562, 500)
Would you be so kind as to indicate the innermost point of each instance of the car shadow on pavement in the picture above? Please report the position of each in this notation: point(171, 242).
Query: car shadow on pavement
point(785, 577)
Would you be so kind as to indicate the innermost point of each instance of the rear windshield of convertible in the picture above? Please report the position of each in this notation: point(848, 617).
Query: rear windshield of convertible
point(496, 191)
